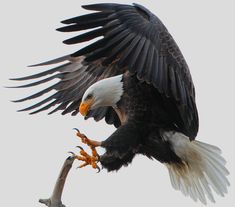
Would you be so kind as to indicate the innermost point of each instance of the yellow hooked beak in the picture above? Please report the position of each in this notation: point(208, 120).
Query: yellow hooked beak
point(85, 107)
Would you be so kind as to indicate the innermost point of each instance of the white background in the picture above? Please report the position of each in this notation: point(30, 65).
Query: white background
point(33, 148)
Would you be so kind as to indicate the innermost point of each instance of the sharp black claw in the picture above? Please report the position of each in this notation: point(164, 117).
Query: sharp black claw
point(98, 169)
point(80, 148)
point(76, 129)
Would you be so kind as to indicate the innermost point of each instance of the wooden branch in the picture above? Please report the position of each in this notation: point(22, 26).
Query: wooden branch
point(55, 199)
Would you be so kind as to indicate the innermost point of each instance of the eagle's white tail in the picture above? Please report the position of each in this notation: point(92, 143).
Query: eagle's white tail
point(203, 168)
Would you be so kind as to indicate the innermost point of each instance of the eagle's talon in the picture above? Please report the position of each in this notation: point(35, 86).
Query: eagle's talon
point(98, 169)
point(92, 159)
point(80, 147)
point(82, 165)
point(76, 129)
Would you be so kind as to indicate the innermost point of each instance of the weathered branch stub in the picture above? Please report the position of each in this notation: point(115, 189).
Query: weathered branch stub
point(55, 199)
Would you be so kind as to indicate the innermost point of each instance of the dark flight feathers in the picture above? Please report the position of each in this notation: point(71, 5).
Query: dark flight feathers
point(133, 39)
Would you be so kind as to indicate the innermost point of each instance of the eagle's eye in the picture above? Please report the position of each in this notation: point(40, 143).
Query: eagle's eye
point(89, 96)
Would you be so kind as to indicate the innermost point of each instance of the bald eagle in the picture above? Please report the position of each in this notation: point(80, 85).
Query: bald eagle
point(134, 76)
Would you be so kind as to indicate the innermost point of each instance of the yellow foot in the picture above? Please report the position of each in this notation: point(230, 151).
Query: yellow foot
point(85, 157)
point(85, 140)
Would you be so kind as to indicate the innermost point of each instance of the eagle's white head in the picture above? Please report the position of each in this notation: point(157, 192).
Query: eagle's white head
point(106, 92)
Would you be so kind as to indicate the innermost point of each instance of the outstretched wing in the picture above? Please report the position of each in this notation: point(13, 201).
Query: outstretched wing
point(136, 40)
point(133, 39)
point(75, 76)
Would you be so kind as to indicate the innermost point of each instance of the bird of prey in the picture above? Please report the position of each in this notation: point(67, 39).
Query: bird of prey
point(134, 76)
